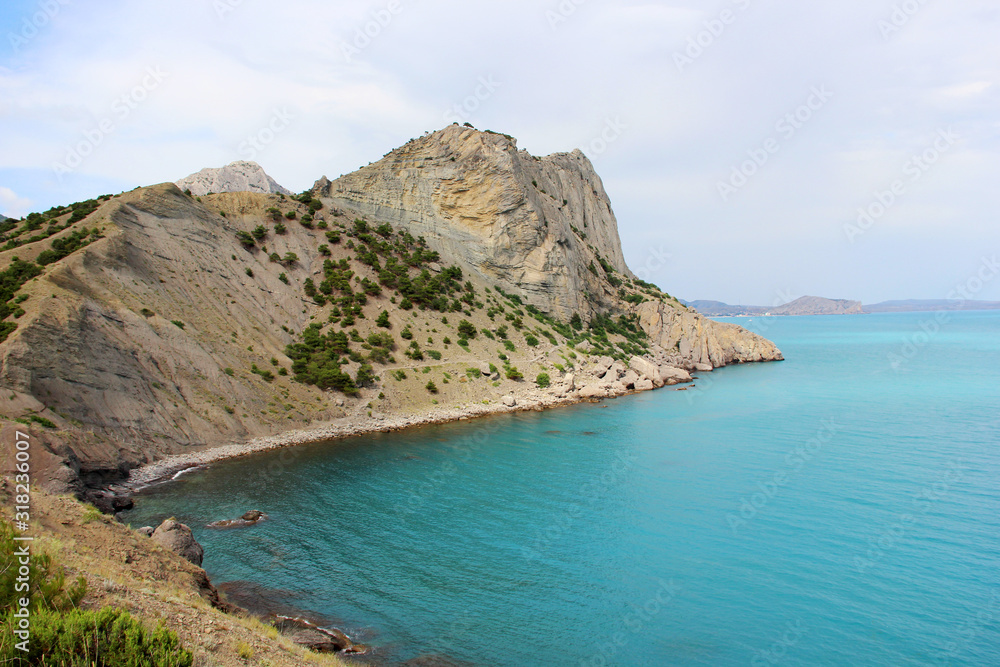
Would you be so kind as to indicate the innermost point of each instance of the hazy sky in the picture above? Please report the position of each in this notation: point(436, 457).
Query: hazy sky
point(738, 139)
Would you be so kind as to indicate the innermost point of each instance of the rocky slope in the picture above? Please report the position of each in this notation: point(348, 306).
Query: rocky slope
point(239, 176)
point(167, 323)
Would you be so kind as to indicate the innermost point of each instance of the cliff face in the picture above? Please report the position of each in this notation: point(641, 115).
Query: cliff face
point(531, 225)
point(167, 327)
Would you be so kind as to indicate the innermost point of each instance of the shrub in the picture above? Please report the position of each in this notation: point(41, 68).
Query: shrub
point(229, 371)
point(434, 354)
point(279, 228)
point(513, 374)
point(466, 329)
point(246, 239)
point(283, 278)
point(543, 380)
point(290, 258)
point(177, 323)
point(531, 341)
point(259, 232)
point(274, 257)
point(146, 312)
point(383, 320)
point(406, 333)
point(400, 375)
point(249, 272)
point(431, 387)
point(324, 250)
point(290, 215)
point(106, 637)
point(510, 346)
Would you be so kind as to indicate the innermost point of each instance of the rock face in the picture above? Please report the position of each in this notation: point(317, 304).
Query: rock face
point(178, 538)
point(698, 340)
point(240, 176)
point(499, 211)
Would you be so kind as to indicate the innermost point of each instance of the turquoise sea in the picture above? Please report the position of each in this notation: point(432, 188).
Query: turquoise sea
point(839, 508)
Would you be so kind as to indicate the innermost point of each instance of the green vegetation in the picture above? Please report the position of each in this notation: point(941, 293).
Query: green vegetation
point(431, 387)
point(177, 323)
point(64, 635)
point(543, 380)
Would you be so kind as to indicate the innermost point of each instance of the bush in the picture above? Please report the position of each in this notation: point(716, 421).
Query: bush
point(531, 341)
point(383, 320)
point(279, 228)
point(249, 272)
point(406, 333)
point(105, 637)
point(290, 258)
point(543, 380)
point(510, 346)
point(246, 239)
point(283, 278)
point(259, 232)
point(466, 329)
point(434, 354)
point(177, 323)
point(513, 374)
point(431, 387)
point(290, 215)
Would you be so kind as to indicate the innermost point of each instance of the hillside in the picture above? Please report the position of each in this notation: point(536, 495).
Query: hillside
point(153, 322)
point(240, 176)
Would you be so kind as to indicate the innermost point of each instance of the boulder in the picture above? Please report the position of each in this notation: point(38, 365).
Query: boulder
point(253, 515)
point(647, 369)
point(602, 365)
point(569, 382)
point(671, 375)
point(703, 368)
point(593, 391)
point(615, 372)
point(484, 368)
point(175, 536)
point(145, 530)
point(509, 401)
point(629, 379)
point(307, 634)
point(643, 384)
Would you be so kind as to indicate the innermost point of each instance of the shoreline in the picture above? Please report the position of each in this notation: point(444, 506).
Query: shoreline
point(170, 467)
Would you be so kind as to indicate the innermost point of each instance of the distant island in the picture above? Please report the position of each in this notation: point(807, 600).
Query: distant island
point(815, 305)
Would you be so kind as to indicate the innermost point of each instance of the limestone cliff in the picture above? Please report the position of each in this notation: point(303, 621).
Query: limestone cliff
point(532, 225)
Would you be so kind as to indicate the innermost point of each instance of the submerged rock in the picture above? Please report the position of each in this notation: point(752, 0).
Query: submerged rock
point(248, 519)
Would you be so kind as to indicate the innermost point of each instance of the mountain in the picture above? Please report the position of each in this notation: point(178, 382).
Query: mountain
point(240, 176)
point(456, 276)
point(926, 305)
point(817, 305)
point(807, 305)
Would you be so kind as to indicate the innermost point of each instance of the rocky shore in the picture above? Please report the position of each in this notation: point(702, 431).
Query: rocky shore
point(598, 379)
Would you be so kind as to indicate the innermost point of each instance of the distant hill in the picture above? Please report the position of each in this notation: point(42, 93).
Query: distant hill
point(817, 305)
point(240, 176)
point(807, 305)
point(926, 305)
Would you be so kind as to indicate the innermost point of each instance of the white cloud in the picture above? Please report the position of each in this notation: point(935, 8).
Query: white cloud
point(12, 205)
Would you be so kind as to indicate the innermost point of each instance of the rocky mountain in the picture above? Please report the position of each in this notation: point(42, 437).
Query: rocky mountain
point(239, 176)
point(455, 276)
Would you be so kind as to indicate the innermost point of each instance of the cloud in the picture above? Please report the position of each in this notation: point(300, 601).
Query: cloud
point(231, 71)
point(11, 204)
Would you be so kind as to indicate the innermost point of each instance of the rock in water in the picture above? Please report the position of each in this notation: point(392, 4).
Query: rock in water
point(175, 536)
point(240, 176)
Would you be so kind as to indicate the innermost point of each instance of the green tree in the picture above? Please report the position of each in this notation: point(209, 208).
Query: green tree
point(383, 320)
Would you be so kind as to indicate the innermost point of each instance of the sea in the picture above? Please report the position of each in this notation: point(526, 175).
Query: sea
point(839, 508)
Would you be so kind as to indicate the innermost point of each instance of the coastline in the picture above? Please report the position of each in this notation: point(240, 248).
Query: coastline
point(171, 466)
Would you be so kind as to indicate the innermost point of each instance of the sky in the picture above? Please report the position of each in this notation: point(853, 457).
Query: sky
point(754, 151)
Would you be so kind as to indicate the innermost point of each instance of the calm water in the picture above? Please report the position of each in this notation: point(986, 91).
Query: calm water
point(840, 508)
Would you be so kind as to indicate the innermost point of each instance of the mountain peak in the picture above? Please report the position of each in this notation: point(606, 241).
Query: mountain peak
point(238, 176)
